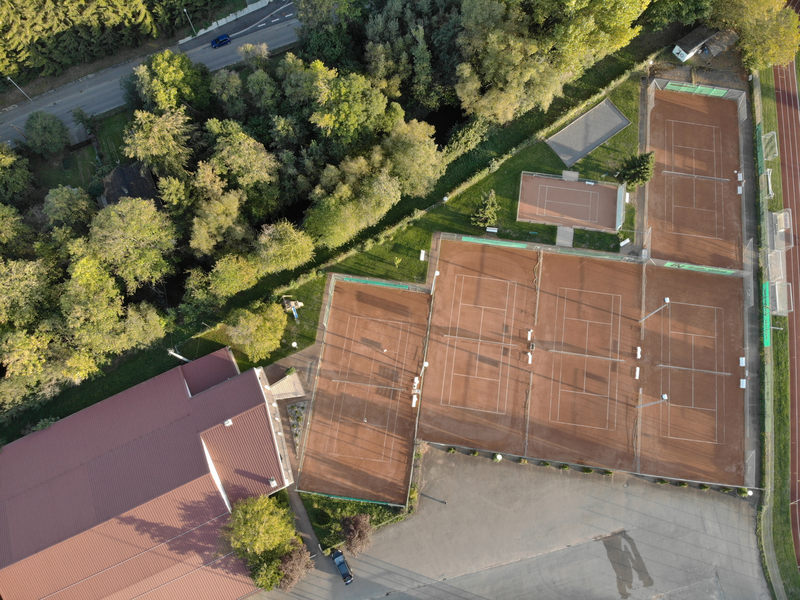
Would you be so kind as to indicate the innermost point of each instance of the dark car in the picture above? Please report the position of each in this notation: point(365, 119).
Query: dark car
point(220, 41)
point(344, 568)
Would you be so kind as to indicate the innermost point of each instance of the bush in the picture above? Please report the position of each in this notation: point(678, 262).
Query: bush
point(704, 487)
point(291, 371)
point(497, 458)
point(473, 453)
point(357, 532)
point(608, 473)
point(523, 461)
point(451, 450)
point(544, 463)
point(725, 490)
point(741, 492)
point(662, 481)
point(683, 484)
point(586, 470)
point(295, 566)
point(564, 467)
point(44, 424)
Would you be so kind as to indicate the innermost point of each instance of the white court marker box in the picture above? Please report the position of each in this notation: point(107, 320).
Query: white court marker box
point(741, 361)
point(413, 401)
point(638, 352)
point(530, 333)
point(743, 383)
point(637, 373)
point(422, 254)
point(530, 358)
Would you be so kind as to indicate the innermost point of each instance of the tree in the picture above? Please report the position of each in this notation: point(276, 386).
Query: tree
point(69, 207)
point(486, 215)
point(23, 289)
point(135, 240)
point(260, 531)
point(227, 87)
point(12, 230)
point(160, 142)
point(357, 531)
point(263, 89)
point(232, 274)
point(167, 80)
point(91, 123)
point(414, 158)
point(45, 134)
point(661, 13)
point(637, 170)
point(15, 177)
point(218, 213)
point(772, 41)
point(295, 566)
point(25, 354)
point(257, 332)
point(239, 156)
point(255, 55)
point(281, 247)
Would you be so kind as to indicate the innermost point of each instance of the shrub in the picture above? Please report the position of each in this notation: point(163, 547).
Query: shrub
point(683, 484)
point(741, 492)
point(291, 371)
point(586, 470)
point(725, 490)
point(523, 461)
point(544, 463)
point(497, 458)
point(451, 450)
point(564, 467)
point(295, 565)
point(44, 423)
point(608, 473)
point(473, 453)
point(704, 487)
point(357, 532)
point(662, 481)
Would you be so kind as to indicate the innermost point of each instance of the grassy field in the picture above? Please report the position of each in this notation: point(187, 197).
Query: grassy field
point(770, 123)
point(74, 169)
point(110, 137)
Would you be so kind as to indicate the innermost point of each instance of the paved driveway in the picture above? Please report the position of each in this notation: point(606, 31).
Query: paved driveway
point(520, 531)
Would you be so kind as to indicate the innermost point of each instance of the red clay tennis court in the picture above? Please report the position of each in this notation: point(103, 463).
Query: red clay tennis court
point(586, 387)
point(361, 431)
point(582, 203)
point(694, 207)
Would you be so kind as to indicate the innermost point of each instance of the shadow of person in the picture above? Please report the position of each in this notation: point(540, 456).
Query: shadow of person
point(625, 559)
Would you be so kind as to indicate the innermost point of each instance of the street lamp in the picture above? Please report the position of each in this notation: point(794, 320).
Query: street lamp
point(19, 88)
point(666, 302)
point(190, 20)
point(664, 398)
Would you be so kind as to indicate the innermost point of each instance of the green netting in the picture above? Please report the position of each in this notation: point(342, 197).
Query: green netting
point(677, 86)
point(701, 89)
point(759, 151)
point(702, 269)
point(766, 324)
point(388, 284)
point(489, 242)
point(718, 93)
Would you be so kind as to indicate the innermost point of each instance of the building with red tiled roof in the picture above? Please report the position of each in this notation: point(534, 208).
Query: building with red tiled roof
point(126, 499)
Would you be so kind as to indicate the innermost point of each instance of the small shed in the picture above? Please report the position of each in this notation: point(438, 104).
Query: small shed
point(721, 41)
point(689, 44)
point(128, 181)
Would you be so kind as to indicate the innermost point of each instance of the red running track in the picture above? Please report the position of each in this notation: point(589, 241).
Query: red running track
point(789, 134)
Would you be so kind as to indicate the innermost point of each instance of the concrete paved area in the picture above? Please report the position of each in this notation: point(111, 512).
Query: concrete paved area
point(587, 132)
point(522, 531)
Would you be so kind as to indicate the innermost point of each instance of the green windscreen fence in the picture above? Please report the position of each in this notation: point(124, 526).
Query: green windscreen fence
point(489, 242)
point(766, 325)
point(690, 88)
point(388, 284)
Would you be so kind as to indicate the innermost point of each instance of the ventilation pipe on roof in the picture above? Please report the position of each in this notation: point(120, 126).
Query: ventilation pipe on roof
point(272, 482)
point(229, 422)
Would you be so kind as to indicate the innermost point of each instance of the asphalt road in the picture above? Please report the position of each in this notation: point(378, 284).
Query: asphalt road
point(512, 531)
point(101, 92)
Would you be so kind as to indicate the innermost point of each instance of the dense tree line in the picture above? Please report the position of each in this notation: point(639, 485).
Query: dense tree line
point(258, 168)
point(43, 37)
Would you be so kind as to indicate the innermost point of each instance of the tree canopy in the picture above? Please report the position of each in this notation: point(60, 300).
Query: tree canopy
point(257, 331)
point(45, 133)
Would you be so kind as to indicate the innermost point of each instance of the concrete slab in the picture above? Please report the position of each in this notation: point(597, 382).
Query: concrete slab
point(587, 132)
point(565, 236)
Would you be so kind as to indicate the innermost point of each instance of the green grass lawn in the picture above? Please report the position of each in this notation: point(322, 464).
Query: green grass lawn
point(74, 169)
point(110, 138)
point(770, 123)
point(326, 514)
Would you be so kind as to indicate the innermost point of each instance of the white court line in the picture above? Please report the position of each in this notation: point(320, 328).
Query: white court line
point(719, 348)
point(615, 298)
point(455, 309)
point(719, 206)
point(392, 409)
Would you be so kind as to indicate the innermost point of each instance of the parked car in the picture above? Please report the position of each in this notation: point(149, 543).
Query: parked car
point(220, 41)
point(344, 568)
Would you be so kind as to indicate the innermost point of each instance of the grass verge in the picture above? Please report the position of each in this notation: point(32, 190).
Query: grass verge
point(769, 115)
point(326, 514)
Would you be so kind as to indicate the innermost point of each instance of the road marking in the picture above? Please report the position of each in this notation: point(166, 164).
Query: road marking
point(262, 25)
point(275, 20)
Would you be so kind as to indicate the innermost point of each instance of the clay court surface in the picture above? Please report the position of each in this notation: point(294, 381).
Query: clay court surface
point(569, 203)
point(361, 433)
point(694, 208)
point(577, 400)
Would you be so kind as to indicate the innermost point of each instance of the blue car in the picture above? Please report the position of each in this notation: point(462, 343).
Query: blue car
point(344, 568)
point(220, 41)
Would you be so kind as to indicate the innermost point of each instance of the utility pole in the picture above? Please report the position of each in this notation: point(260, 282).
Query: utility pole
point(190, 20)
point(19, 88)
